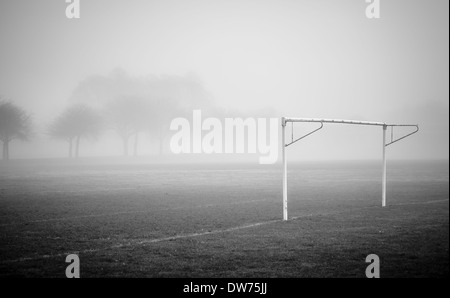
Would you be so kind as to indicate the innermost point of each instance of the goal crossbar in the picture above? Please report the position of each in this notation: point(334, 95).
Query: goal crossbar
point(385, 143)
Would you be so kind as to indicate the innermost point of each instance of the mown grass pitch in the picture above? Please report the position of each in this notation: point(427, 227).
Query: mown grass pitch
point(147, 220)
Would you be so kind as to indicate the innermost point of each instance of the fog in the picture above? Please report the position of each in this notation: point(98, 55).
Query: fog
point(311, 58)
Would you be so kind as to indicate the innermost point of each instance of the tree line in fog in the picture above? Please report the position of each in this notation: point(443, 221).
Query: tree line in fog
point(133, 108)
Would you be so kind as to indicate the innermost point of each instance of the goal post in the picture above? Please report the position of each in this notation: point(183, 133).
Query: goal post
point(385, 144)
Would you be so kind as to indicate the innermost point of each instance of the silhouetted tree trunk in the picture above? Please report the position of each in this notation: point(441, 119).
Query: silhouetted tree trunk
point(136, 143)
point(77, 146)
point(161, 141)
point(5, 150)
point(125, 145)
point(15, 124)
point(70, 147)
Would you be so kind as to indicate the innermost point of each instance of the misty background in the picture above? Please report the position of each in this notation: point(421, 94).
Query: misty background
point(315, 59)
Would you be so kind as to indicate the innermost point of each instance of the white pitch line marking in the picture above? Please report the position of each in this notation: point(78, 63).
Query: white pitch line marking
point(190, 235)
point(421, 203)
point(130, 212)
point(144, 242)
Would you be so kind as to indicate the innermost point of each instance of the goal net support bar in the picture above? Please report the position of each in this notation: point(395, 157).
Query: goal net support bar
point(386, 142)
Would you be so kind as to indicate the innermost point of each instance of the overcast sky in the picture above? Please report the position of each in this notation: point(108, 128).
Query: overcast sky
point(303, 58)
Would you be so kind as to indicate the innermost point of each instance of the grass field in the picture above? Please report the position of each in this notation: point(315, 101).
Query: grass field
point(156, 220)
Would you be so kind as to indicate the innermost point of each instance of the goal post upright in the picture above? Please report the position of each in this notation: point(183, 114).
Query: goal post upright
point(383, 198)
point(283, 150)
point(284, 145)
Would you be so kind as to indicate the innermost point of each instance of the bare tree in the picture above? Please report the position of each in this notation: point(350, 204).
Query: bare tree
point(15, 124)
point(164, 109)
point(78, 121)
point(129, 116)
point(159, 98)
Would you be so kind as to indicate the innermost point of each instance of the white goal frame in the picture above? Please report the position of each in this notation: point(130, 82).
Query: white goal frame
point(285, 120)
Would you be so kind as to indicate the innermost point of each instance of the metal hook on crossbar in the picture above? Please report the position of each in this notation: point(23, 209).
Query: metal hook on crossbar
point(405, 136)
point(304, 136)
